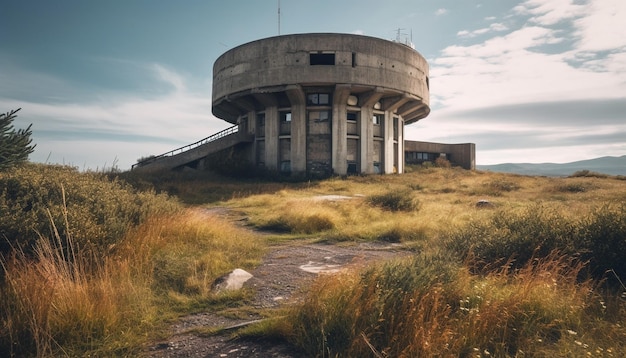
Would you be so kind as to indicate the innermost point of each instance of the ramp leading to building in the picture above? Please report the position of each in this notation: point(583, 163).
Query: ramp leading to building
point(195, 152)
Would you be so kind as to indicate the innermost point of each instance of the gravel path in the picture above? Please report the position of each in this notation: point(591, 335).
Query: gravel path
point(283, 273)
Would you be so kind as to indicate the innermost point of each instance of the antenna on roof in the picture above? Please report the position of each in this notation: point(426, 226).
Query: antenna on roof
point(408, 41)
point(399, 30)
point(279, 17)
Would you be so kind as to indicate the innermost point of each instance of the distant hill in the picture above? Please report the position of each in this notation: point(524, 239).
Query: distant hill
point(605, 165)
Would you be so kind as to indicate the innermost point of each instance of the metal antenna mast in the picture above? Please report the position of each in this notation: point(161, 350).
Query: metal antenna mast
point(278, 17)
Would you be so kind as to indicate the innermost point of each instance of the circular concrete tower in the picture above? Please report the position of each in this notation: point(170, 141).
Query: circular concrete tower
point(322, 104)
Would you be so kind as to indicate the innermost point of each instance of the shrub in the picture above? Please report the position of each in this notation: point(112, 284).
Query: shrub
point(442, 163)
point(37, 200)
point(598, 238)
point(395, 200)
point(602, 240)
point(533, 232)
point(575, 187)
point(585, 173)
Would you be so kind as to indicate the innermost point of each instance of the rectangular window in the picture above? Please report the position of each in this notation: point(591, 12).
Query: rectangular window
point(395, 128)
point(352, 116)
point(318, 99)
point(377, 119)
point(285, 122)
point(285, 116)
point(323, 59)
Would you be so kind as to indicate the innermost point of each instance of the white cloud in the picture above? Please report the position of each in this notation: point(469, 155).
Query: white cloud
point(603, 26)
point(550, 51)
point(550, 12)
point(495, 27)
point(441, 11)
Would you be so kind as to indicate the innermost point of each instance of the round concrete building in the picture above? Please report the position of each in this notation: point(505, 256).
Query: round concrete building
point(322, 104)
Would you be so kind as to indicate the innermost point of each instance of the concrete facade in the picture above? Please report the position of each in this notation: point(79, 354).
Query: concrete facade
point(462, 155)
point(323, 104)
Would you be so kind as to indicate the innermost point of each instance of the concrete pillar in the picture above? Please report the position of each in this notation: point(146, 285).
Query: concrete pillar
point(340, 129)
point(366, 129)
point(388, 143)
point(298, 128)
point(252, 122)
point(271, 137)
point(401, 145)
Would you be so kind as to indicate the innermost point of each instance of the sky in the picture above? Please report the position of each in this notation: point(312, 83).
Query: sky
point(105, 83)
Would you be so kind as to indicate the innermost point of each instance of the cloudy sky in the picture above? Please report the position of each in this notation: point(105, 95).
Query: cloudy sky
point(105, 83)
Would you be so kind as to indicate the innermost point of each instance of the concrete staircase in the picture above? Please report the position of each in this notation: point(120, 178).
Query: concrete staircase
point(192, 155)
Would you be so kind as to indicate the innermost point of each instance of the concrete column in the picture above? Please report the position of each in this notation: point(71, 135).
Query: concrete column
point(400, 145)
point(252, 122)
point(388, 143)
point(298, 128)
point(271, 137)
point(366, 129)
point(340, 129)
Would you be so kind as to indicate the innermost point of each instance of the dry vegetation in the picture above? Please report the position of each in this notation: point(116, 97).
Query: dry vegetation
point(533, 272)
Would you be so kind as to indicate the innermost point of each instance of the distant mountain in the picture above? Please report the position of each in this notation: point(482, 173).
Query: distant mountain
point(605, 165)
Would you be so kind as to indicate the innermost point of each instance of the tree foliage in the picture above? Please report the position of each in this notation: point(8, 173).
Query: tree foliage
point(15, 145)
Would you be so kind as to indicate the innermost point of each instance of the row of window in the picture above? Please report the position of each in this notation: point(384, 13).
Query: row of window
point(285, 116)
point(420, 156)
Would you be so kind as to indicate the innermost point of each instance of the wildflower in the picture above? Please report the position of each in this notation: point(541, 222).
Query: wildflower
point(573, 333)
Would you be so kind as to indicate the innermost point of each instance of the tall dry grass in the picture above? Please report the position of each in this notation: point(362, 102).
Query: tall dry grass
point(428, 307)
point(64, 301)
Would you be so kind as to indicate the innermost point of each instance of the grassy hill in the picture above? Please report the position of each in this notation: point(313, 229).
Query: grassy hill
point(500, 264)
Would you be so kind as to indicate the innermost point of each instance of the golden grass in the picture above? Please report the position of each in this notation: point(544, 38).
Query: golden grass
point(59, 302)
point(539, 310)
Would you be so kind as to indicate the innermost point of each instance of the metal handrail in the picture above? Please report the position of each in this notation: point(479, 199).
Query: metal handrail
point(211, 138)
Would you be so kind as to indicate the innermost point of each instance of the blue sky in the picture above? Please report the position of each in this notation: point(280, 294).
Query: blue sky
point(107, 82)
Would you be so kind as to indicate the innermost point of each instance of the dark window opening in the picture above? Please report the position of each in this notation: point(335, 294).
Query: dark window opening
point(427, 83)
point(352, 168)
point(324, 59)
point(352, 116)
point(377, 119)
point(318, 99)
point(285, 166)
point(354, 59)
point(285, 116)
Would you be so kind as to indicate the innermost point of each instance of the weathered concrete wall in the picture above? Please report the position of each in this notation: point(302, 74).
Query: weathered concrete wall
point(463, 155)
point(269, 64)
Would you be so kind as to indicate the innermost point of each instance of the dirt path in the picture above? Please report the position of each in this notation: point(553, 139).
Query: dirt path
point(284, 271)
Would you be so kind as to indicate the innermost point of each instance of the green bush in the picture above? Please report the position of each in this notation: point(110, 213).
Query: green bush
point(598, 238)
point(37, 200)
point(602, 237)
point(395, 200)
point(533, 232)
